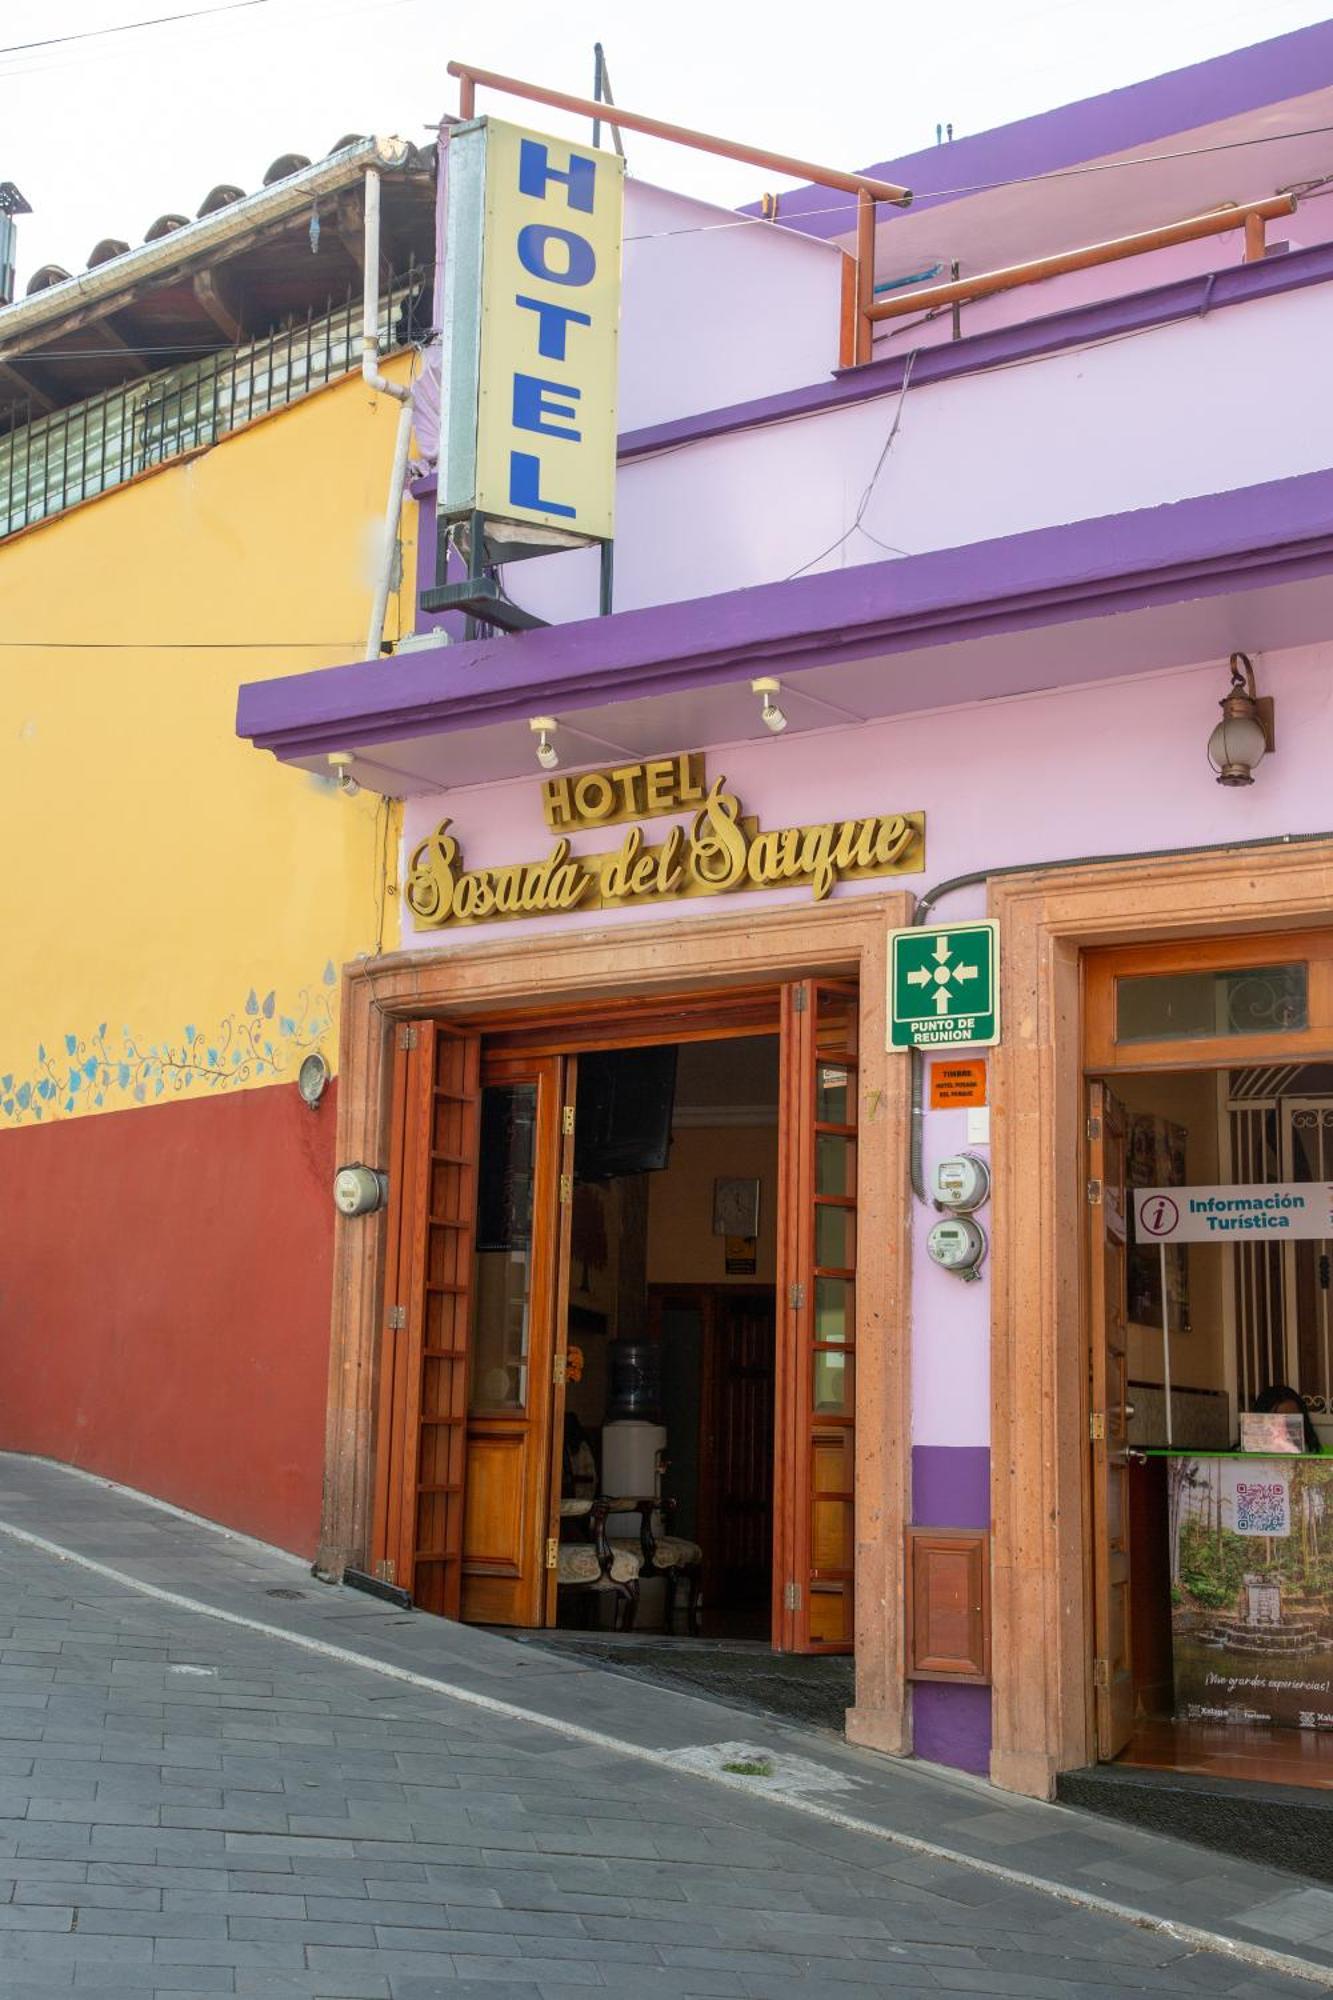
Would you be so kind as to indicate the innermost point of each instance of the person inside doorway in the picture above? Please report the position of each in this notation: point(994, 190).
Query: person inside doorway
point(1281, 1399)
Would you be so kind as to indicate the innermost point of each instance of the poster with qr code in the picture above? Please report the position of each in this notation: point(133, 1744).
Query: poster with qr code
point(1251, 1541)
point(1260, 1497)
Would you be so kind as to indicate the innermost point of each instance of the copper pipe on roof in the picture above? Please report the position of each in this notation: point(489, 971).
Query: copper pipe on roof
point(864, 328)
point(680, 135)
point(1215, 223)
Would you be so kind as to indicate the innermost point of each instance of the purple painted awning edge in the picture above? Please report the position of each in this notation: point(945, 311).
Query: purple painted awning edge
point(1282, 529)
point(1068, 135)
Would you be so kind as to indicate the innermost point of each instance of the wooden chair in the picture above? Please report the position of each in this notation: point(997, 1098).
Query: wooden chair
point(676, 1559)
point(587, 1562)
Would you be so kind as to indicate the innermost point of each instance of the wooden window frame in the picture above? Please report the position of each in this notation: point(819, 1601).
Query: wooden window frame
point(1102, 969)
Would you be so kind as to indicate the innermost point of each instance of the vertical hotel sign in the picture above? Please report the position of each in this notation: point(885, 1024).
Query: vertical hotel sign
point(532, 301)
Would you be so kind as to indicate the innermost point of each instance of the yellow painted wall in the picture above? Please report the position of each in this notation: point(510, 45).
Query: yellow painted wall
point(174, 904)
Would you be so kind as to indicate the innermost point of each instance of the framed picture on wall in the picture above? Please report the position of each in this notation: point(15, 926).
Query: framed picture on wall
point(1155, 1157)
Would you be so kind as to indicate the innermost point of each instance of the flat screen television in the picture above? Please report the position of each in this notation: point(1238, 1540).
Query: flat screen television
point(625, 1102)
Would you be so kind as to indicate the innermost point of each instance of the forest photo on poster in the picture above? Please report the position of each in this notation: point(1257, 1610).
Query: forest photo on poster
point(1251, 1541)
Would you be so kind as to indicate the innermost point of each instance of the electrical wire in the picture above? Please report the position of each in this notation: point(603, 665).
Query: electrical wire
point(42, 61)
point(930, 195)
point(866, 497)
point(128, 27)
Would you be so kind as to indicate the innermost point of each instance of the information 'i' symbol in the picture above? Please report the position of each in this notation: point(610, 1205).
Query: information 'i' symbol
point(1160, 1215)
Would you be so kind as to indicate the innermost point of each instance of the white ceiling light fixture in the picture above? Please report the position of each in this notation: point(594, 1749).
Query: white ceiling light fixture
point(547, 754)
point(340, 764)
point(770, 714)
point(1244, 736)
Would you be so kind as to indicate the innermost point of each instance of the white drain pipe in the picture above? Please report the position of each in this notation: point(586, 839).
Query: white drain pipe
point(370, 373)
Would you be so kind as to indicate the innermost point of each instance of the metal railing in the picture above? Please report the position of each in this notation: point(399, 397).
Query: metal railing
point(861, 311)
point(51, 463)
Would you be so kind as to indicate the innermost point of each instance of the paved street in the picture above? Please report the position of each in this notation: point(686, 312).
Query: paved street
point(191, 1806)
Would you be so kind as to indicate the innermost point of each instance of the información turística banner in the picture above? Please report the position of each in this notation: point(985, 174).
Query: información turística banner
point(1290, 1210)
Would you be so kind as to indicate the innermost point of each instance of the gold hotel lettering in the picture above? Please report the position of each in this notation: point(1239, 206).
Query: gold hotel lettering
point(632, 791)
point(720, 851)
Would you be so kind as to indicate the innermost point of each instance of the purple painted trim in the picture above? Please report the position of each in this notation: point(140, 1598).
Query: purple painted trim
point(950, 1486)
point(1119, 121)
point(1209, 546)
point(1136, 312)
point(951, 1725)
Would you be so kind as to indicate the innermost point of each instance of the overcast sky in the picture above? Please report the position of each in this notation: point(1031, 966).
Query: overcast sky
point(105, 134)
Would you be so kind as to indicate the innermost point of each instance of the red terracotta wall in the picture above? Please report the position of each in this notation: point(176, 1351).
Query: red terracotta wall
point(164, 1302)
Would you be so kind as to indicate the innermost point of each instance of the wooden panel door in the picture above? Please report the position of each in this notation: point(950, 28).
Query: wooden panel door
point(1113, 1666)
point(516, 1335)
point(423, 1400)
point(736, 1469)
point(814, 1468)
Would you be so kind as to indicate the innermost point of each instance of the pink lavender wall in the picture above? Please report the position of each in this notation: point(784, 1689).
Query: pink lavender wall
point(1104, 768)
point(1127, 423)
point(1077, 288)
point(1107, 769)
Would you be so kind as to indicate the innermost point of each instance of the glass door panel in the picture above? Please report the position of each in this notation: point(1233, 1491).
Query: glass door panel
point(514, 1282)
point(502, 1272)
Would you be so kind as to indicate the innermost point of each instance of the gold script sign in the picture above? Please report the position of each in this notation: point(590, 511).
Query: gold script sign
point(720, 851)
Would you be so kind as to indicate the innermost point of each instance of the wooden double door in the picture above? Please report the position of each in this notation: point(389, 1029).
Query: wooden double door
point(472, 1373)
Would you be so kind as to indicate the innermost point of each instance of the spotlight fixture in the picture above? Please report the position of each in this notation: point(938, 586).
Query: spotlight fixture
point(770, 714)
point(547, 754)
point(340, 765)
point(1245, 733)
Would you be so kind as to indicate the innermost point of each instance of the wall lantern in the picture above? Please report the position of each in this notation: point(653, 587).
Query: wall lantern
point(1245, 734)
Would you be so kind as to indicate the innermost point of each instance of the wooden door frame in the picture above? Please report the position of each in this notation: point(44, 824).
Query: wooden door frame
point(1042, 1650)
point(480, 983)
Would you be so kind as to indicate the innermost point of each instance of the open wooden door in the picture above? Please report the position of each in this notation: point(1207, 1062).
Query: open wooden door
point(423, 1379)
point(1113, 1671)
point(814, 1466)
point(518, 1340)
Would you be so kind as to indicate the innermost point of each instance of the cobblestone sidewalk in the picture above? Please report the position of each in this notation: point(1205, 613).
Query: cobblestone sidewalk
point(189, 1805)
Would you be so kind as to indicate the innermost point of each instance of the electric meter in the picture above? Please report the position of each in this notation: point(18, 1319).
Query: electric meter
point(359, 1190)
point(962, 1183)
point(958, 1245)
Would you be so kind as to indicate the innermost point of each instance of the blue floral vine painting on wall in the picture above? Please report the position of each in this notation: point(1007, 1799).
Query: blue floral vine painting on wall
point(259, 1042)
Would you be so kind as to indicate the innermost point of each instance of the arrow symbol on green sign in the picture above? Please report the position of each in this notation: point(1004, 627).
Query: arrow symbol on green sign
point(943, 975)
point(942, 986)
